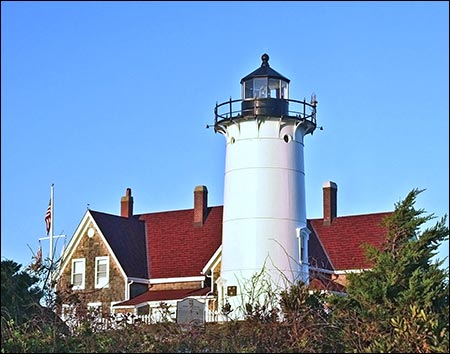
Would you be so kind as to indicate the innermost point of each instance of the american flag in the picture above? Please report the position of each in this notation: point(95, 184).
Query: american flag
point(48, 216)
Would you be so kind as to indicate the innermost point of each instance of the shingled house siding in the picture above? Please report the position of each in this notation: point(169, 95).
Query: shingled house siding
point(89, 248)
point(176, 286)
point(341, 279)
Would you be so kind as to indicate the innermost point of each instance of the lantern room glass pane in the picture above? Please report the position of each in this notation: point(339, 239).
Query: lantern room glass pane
point(248, 89)
point(274, 88)
point(260, 87)
point(284, 89)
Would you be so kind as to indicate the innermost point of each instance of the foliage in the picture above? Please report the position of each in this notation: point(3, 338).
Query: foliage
point(259, 298)
point(20, 295)
point(401, 303)
point(307, 317)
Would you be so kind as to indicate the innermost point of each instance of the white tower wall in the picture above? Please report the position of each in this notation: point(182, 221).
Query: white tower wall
point(264, 200)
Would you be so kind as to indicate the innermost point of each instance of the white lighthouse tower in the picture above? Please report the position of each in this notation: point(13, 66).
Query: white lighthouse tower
point(264, 214)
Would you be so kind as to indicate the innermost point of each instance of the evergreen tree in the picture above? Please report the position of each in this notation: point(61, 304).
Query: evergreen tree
point(401, 303)
point(20, 293)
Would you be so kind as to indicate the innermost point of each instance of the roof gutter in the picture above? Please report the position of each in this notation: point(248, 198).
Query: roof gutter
point(139, 280)
point(338, 272)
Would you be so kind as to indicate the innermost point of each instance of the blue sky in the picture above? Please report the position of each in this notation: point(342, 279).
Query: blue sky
point(97, 97)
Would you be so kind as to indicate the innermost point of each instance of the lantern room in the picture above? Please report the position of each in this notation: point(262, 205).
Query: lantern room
point(265, 95)
point(265, 82)
point(265, 91)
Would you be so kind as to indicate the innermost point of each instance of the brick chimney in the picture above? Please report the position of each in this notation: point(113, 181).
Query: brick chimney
point(200, 205)
point(329, 202)
point(126, 204)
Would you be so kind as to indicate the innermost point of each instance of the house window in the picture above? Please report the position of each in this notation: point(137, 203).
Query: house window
point(78, 273)
point(94, 308)
point(69, 315)
point(101, 272)
point(68, 311)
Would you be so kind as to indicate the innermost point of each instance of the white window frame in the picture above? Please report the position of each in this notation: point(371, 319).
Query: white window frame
point(92, 306)
point(104, 284)
point(68, 311)
point(83, 277)
point(69, 315)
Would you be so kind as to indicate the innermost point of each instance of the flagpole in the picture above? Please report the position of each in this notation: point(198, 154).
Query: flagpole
point(51, 234)
point(51, 221)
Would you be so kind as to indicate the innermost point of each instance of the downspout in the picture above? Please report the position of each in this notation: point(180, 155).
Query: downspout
point(300, 253)
point(130, 282)
point(305, 258)
point(209, 293)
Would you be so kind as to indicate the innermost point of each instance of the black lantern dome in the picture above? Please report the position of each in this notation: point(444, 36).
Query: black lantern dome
point(265, 91)
point(264, 71)
point(265, 95)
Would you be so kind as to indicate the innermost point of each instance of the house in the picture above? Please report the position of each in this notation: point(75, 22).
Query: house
point(147, 263)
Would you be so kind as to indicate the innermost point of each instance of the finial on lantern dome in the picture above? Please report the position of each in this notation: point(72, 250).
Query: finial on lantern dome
point(265, 59)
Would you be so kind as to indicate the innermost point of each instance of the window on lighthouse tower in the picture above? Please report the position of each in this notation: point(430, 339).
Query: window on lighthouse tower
point(303, 237)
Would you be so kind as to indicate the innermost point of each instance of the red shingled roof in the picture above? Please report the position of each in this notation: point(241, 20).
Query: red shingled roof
point(178, 249)
point(342, 239)
point(163, 295)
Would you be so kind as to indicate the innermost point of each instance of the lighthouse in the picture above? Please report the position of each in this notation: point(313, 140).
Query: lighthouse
point(264, 214)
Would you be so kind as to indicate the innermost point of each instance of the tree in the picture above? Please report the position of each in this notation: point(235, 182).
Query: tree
point(20, 293)
point(401, 303)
